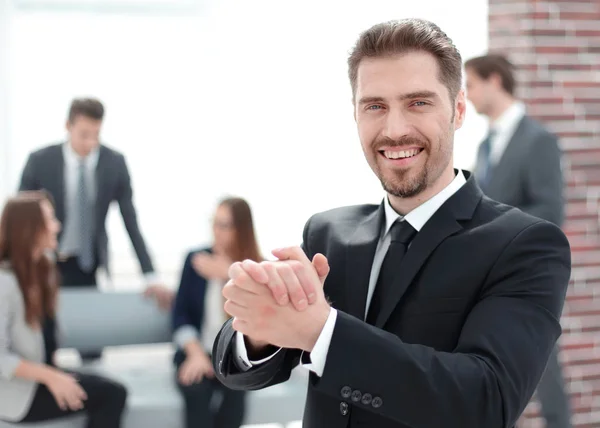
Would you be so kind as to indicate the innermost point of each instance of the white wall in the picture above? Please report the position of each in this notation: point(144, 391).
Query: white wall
point(5, 177)
point(250, 98)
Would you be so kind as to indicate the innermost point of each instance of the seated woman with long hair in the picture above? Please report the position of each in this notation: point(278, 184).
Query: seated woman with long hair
point(32, 388)
point(198, 315)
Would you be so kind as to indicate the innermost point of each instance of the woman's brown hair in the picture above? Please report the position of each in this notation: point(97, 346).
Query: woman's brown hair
point(246, 246)
point(22, 225)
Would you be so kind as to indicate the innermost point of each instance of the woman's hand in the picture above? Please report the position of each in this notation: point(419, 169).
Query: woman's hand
point(195, 368)
point(66, 390)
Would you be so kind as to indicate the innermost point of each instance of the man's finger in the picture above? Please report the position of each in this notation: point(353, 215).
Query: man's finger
point(291, 253)
point(238, 295)
point(236, 310)
point(276, 284)
point(256, 272)
point(240, 326)
point(292, 283)
point(308, 280)
point(242, 279)
point(321, 265)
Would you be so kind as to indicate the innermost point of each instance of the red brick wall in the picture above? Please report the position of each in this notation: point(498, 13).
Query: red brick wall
point(556, 45)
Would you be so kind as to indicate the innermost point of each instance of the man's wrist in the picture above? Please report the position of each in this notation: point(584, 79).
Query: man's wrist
point(315, 327)
point(193, 349)
point(256, 349)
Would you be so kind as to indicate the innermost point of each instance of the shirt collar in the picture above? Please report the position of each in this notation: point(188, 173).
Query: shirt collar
point(421, 214)
point(73, 158)
point(508, 121)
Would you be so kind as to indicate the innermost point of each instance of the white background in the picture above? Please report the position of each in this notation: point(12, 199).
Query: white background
point(243, 98)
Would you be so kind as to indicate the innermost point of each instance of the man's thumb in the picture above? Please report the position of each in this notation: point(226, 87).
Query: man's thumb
point(321, 265)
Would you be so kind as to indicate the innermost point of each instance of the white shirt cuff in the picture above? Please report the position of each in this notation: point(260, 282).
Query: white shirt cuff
point(241, 354)
point(151, 278)
point(184, 334)
point(318, 356)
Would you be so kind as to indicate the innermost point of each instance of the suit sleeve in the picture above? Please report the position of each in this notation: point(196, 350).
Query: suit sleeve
point(28, 177)
point(184, 328)
point(544, 180)
point(275, 370)
point(129, 214)
point(502, 351)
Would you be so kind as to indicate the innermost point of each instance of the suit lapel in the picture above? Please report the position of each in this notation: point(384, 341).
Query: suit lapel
point(359, 260)
point(101, 178)
point(444, 223)
point(59, 193)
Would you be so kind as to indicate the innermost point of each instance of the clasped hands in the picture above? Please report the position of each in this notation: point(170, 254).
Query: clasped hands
point(279, 302)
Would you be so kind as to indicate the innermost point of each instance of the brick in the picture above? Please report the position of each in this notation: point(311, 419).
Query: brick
point(584, 16)
point(539, 16)
point(581, 308)
point(580, 228)
point(590, 106)
point(560, 58)
point(549, 41)
point(581, 84)
point(567, 128)
point(587, 178)
point(587, 33)
point(571, 66)
point(585, 275)
point(557, 49)
point(578, 6)
point(510, 9)
point(574, 295)
point(538, 84)
point(537, 32)
point(582, 95)
point(577, 134)
point(578, 142)
point(586, 244)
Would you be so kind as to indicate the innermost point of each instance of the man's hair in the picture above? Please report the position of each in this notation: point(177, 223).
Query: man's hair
point(498, 64)
point(88, 107)
point(409, 35)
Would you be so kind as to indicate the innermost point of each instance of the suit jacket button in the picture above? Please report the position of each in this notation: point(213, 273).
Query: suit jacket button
point(346, 392)
point(343, 408)
point(377, 402)
point(366, 399)
point(356, 396)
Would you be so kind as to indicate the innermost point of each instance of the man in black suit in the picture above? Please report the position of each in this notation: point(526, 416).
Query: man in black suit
point(519, 164)
point(437, 308)
point(84, 177)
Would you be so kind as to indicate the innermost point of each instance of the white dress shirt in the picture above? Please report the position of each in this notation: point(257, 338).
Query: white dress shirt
point(212, 321)
point(417, 219)
point(504, 128)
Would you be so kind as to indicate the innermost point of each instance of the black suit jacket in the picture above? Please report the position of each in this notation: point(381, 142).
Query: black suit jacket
point(45, 170)
point(464, 341)
point(529, 175)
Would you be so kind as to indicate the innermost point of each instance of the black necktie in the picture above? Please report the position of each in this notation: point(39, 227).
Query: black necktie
point(402, 233)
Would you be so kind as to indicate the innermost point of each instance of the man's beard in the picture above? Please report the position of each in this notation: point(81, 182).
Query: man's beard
point(403, 185)
point(406, 187)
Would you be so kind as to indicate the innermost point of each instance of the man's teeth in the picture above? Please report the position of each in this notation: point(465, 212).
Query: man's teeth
point(401, 154)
